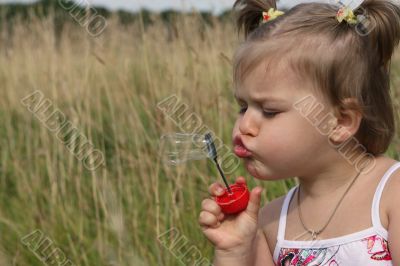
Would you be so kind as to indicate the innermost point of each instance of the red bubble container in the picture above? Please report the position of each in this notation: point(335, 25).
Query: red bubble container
point(236, 201)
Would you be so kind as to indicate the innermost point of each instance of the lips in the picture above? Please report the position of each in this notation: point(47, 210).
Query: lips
point(239, 148)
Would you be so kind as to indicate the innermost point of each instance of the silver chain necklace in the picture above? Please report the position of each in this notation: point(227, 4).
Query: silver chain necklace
point(315, 233)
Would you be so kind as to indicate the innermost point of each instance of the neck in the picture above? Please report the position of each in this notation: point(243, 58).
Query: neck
point(335, 175)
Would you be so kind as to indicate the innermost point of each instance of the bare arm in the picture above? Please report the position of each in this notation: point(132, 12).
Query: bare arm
point(267, 233)
point(263, 256)
point(394, 218)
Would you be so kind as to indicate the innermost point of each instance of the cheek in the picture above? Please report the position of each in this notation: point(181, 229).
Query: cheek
point(292, 136)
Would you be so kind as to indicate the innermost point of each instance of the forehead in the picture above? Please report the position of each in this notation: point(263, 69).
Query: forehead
point(271, 80)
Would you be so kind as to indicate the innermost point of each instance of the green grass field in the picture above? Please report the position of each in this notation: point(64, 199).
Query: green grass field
point(108, 88)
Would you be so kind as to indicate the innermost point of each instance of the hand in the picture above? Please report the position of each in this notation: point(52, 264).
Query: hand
point(230, 233)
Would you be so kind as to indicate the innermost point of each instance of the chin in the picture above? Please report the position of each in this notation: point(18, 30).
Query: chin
point(252, 169)
point(255, 172)
point(252, 172)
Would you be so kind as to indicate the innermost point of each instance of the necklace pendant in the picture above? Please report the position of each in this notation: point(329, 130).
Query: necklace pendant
point(314, 234)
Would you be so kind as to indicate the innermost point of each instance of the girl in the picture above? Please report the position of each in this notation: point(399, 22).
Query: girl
point(314, 94)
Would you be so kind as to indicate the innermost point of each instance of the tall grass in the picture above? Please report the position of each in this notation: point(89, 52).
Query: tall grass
point(109, 88)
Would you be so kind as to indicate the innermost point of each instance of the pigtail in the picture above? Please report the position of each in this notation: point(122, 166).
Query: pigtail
point(383, 27)
point(249, 13)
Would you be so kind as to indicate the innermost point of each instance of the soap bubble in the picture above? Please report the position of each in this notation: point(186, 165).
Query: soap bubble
point(179, 148)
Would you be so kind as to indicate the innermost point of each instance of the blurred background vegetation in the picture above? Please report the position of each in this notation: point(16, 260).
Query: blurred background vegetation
point(109, 87)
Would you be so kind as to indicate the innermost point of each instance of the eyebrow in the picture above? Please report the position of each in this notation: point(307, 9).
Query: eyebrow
point(262, 99)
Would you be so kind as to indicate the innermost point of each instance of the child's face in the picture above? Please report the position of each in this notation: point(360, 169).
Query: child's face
point(284, 144)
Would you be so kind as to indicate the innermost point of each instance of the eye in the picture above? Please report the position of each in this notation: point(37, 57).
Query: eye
point(243, 109)
point(242, 106)
point(270, 114)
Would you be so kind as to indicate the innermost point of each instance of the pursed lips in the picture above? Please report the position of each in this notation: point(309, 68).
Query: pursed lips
point(239, 148)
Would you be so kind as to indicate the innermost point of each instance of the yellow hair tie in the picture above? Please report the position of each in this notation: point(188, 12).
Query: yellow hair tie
point(271, 15)
point(347, 15)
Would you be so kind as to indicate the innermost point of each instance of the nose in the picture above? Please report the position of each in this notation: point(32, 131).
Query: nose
point(248, 123)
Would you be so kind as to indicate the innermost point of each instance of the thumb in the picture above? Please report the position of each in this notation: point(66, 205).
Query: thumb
point(254, 203)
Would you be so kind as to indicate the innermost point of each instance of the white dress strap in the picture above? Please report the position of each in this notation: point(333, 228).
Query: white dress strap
point(376, 220)
point(283, 216)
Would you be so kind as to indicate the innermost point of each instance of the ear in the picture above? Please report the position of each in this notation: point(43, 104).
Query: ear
point(348, 121)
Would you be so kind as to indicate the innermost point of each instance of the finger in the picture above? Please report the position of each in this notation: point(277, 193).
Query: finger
point(211, 206)
point(254, 203)
point(216, 189)
point(240, 180)
point(207, 219)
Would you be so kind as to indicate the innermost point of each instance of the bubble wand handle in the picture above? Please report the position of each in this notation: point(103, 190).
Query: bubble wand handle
point(212, 153)
point(223, 175)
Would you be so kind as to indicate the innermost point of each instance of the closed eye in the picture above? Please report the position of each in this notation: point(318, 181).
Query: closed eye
point(243, 109)
point(270, 114)
point(267, 114)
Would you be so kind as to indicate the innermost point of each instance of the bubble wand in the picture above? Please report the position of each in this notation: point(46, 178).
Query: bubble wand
point(212, 153)
point(181, 147)
point(236, 196)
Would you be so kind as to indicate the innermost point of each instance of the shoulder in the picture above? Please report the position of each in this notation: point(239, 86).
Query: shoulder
point(271, 211)
point(391, 195)
point(269, 220)
point(391, 199)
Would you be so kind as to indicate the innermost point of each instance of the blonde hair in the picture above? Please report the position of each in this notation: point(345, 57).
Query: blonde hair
point(340, 60)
